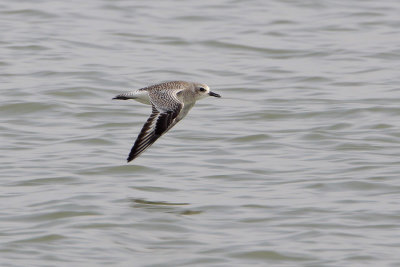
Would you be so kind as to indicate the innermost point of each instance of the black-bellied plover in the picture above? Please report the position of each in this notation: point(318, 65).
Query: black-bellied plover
point(170, 101)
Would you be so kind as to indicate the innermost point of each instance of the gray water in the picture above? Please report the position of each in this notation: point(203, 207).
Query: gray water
point(298, 164)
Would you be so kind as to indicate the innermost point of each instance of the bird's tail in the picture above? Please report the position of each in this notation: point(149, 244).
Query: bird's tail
point(126, 96)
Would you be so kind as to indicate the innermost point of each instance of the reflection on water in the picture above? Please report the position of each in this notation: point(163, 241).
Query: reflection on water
point(157, 203)
point(162, 206)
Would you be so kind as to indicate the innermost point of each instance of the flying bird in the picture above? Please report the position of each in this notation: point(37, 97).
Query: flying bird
point(170, 102)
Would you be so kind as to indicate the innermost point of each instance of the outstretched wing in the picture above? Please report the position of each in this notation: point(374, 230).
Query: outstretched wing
point(159, 122)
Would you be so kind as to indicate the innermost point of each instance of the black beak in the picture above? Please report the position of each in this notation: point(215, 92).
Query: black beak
point(214, 94)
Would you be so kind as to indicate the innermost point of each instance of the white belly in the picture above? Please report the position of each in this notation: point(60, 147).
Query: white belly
point(142, 97)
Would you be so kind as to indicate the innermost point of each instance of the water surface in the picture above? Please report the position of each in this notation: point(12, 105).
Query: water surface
point(296, 165)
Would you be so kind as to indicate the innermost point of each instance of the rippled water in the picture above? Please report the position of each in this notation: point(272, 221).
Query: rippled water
point(297, 164)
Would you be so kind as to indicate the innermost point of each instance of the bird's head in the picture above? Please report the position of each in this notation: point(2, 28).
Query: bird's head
point(202, 91)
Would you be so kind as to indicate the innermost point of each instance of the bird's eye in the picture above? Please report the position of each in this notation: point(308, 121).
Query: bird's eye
point(202, 89)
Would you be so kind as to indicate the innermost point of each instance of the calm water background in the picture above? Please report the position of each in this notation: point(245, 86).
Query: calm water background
point(297, 165)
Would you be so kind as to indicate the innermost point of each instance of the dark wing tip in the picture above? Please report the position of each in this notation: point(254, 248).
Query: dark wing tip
point(132, 156)
point(156, 125)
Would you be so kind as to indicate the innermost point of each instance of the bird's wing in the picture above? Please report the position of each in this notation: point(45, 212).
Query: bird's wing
point(162, 118)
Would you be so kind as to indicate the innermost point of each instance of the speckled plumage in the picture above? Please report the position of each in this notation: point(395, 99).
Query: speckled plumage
point(171, 101)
